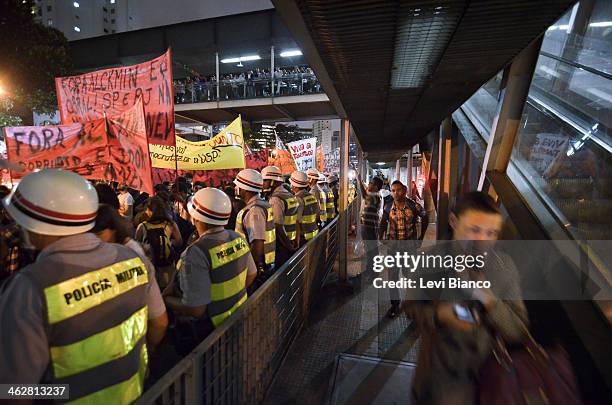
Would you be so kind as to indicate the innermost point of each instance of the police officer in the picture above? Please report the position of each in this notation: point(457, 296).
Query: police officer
point(330, 208)
point(256, 221)
point(216, 269)
point(285, 207)
point(315, 190)
point(307, 208)
point(85, 312)
point(332, 183)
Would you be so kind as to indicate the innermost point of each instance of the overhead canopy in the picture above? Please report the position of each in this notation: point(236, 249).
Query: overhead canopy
point(396, 69)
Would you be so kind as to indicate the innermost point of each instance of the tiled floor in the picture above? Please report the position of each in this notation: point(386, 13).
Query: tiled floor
point(341, 323)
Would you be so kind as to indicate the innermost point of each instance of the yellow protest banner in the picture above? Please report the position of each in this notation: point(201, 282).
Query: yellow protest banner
point(223, 151)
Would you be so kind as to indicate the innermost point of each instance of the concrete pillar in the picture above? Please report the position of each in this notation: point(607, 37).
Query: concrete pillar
point(343, 221)
point(513, 94)
point(447, 174)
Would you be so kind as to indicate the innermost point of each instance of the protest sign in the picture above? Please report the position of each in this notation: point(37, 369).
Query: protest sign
point(88, 96)
point(114, 150)
point(303, 153)
point(5, 174)
point(223, 151)
point(548, 152)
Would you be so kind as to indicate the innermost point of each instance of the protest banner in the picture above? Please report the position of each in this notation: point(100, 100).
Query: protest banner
point(88, 96)
point(213, 178)
point(320, 159)
point(223, 151)
point(128, 159)
point(114, 149)
point(281, 158)
point(303, 153)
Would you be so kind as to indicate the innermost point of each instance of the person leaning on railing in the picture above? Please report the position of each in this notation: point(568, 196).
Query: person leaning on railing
point(214, 271)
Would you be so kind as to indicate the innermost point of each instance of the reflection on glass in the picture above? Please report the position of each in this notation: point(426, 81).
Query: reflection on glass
point(483, 103)
point(564, 145)
point(571, 170)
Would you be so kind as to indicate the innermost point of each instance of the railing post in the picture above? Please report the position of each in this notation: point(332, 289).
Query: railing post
point(343, 221)
point(272, 71)
point(409, 173)
point(218, 78)
point(193, 385)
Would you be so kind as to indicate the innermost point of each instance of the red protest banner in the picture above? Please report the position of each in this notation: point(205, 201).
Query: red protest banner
point(116, 150)
point(68, 147)
point(127, 160)
point(88, 96)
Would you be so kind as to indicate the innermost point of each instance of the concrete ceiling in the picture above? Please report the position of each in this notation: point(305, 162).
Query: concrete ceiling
point(396, 69)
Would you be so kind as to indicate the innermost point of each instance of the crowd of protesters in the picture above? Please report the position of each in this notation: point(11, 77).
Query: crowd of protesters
point(296, 80)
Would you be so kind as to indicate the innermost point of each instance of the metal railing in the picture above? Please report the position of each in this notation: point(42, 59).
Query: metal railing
point(239, 89)
point(237, 362)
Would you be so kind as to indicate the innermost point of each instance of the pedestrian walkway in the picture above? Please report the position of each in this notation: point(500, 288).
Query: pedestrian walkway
point(326, 363)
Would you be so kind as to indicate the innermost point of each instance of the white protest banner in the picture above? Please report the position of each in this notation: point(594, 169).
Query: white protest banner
point(303, 153)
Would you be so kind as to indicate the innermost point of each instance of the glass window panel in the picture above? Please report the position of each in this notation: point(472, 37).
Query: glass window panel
point(569, 169)
point(564, 144)
point(483, 104)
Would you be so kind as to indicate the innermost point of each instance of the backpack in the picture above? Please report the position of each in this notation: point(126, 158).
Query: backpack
point(162, 251)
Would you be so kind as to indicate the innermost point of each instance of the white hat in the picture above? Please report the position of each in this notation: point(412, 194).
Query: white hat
point(272, 173)
point(211, 206)
point(313, 174)
point(249, 180)
point(53, 202)
point(322, 178)
point(298, 179)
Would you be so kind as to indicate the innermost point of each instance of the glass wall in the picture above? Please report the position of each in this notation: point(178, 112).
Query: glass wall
point(482, 105)
point(564, 144)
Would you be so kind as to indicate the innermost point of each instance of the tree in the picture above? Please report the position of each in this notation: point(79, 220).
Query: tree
point(32, 55)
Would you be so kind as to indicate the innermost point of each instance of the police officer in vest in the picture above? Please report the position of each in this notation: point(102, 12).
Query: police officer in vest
point(285, 207)
point(332, 183)
point(255, 222)
point(317, 192)
point(216, 269)
point(330, 208)
point(307, 208)
point(85, 312)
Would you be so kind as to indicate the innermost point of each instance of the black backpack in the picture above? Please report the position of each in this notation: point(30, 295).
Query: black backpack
point(162, 251)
